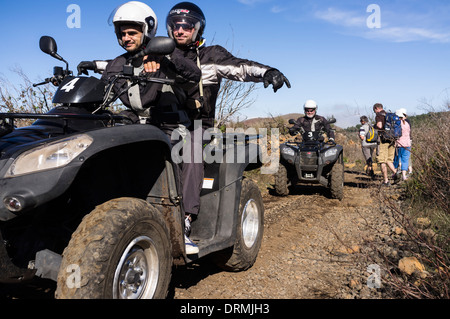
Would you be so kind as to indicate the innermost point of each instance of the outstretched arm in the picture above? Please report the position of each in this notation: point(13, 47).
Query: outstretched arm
point(223, 64)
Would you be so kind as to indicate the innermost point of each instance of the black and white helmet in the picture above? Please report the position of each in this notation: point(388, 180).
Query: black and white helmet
point(186, 12)
point(135, 12)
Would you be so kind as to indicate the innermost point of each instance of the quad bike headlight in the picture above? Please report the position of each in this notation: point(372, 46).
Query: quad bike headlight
point(288, 151)
point(331, 152)
point(49, 156)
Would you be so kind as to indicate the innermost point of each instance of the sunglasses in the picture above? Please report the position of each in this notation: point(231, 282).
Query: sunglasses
point(184, 25)
point(310, 110)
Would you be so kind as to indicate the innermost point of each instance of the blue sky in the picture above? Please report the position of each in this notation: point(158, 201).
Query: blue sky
point(338, 53)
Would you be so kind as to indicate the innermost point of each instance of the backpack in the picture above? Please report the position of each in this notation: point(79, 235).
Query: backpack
point(372, 135)
point(393, 127)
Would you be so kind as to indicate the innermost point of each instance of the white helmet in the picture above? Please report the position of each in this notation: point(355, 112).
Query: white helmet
point(134, 12)
point(310, 104)
point(401, 112)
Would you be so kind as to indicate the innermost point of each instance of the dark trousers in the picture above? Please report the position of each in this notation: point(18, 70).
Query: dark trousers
point(192, 173)
point(191, 166)
point(192, 169)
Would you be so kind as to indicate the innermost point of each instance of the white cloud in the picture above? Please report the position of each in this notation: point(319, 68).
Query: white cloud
point(278, 9)
point(274, 9)
point(408, 34)
point(340, 17)
point(355, 23)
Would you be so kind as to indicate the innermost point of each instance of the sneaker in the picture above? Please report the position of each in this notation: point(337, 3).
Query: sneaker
point(191, 248)
point(387, 184)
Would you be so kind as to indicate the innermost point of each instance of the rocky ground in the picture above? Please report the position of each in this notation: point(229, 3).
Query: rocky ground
point(314, 247)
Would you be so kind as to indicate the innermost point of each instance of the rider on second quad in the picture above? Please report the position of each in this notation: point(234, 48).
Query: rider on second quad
point(312, 122)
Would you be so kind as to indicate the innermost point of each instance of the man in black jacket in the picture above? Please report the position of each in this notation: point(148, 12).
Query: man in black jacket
point(312, 122)
point(135, 24)
point(185, 24)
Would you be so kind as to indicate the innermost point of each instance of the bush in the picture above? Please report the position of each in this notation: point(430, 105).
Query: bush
point(427, 198)
point(430, 156)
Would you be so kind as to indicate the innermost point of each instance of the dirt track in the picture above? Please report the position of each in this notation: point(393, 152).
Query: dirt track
point(313, 247)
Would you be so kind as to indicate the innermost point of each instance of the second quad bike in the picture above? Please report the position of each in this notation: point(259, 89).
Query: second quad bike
point(95, 204)
point(311, 161)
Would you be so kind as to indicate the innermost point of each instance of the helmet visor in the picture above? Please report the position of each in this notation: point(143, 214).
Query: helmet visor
point(111, 16)
point(183, 25)
point(184, 22)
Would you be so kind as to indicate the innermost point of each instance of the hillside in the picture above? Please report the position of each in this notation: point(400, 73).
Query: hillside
point(259, 121)
point(262, 121)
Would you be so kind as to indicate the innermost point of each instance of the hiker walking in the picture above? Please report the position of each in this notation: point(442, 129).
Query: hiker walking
point(367, 147)
point(403, 145)
point(386, 147)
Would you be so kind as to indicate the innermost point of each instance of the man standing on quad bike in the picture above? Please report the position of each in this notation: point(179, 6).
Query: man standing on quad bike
point(312, 122)
point(186, 24)
point(135, 24)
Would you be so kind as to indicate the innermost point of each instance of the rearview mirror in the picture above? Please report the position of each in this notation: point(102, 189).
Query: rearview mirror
point(48, 45)
point(332, 120)
point(157, 46)
point(291, 121)
point(160, 46)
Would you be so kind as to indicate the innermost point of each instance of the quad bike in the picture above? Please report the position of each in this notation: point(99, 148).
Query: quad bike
point(311, 161)
point(95, 204)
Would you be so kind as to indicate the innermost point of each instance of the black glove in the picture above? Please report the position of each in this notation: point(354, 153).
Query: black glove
point(276, 78)
point(84, 66)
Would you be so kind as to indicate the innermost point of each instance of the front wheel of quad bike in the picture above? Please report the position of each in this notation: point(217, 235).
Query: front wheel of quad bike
point(121, 250)
point(281, 181)
point(337, 181)
point(249, 231)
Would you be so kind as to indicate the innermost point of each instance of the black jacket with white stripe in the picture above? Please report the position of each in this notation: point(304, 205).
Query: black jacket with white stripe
point(217, 64)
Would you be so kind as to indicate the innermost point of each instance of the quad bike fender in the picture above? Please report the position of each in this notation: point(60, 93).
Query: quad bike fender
point(219, 207)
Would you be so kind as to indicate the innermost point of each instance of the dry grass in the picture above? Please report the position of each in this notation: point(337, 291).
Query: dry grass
point(425, 198)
